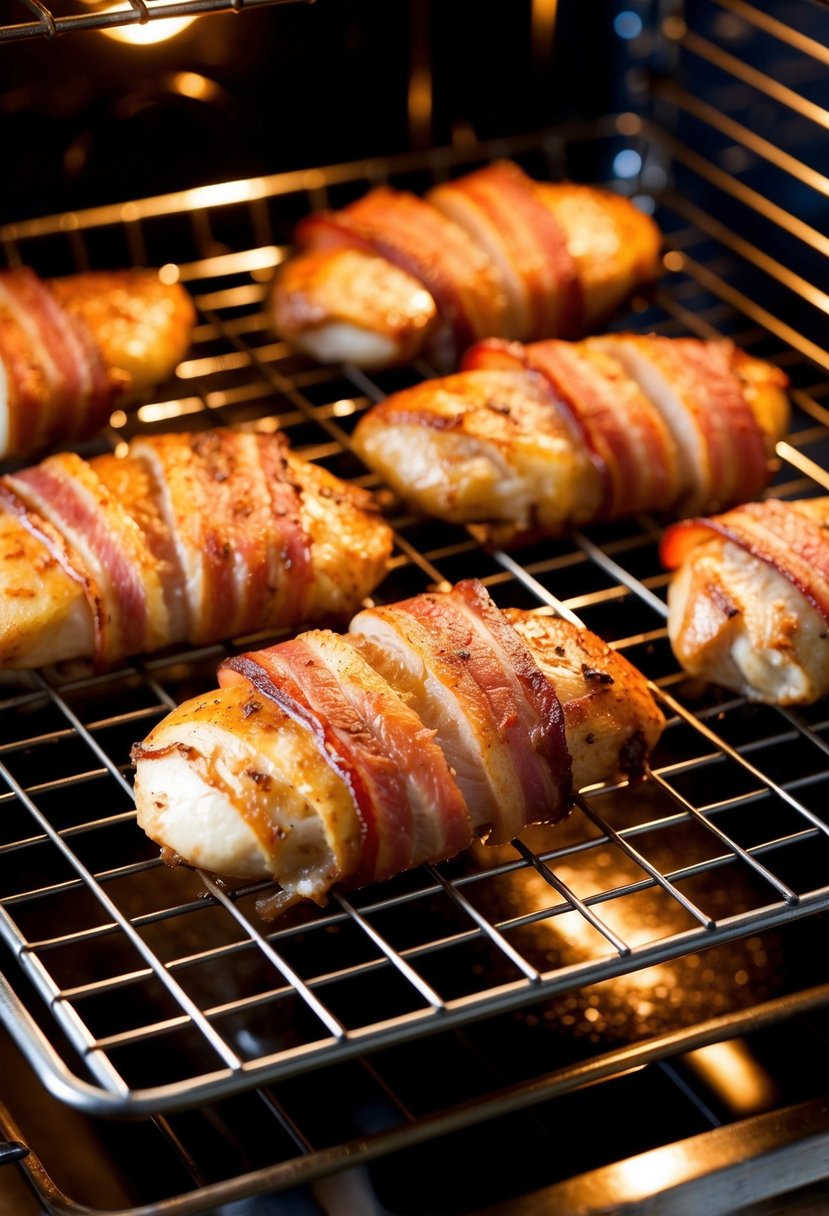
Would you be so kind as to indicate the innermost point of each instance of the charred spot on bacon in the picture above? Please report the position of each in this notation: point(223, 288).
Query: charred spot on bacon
point(380, 749)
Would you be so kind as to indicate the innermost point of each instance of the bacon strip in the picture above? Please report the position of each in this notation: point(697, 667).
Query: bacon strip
point(622, 431)
point(236, 520)
point(416, 237)
point(119, 572)
point(79, 389)
point(474, 673)
point(424, 816)
point(290, 566)
point(703, 376)
point(538, 742)
point(281, 673)
point(410, 808)
point(503, 204)
point(772, 531)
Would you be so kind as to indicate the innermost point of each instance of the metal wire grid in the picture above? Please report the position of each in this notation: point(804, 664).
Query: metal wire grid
point(142, 960)
point(51, 20)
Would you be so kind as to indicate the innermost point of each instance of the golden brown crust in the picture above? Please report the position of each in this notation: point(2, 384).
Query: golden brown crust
point(611, 719)
point(616, 247)
point(352, 305)
point(142, 325)
point(44, 613)
point(339, 304)
point(737, 621)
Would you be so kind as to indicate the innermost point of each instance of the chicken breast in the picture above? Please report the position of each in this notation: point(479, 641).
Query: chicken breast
point(491, 253)
point(51, 597)
point(326, 726)
point(345, 306)
point(482, 446)
point(142, 324)
point(752, 622)
point(71, 348)
point(534, 439)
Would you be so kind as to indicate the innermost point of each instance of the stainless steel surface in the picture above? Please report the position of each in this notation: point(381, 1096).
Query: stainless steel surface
point(134, 990)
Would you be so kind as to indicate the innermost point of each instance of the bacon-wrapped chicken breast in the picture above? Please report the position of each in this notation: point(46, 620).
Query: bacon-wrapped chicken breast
point(73, 348)
point(490, 254)
point(540, 437)
point(344, 759)
point(748, 599)
point(188, 538)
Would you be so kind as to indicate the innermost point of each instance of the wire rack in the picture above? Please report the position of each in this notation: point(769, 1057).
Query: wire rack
point(161, 988)
point(32, 19)
point(134, 990)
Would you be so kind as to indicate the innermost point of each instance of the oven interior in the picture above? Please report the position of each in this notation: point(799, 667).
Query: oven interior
point(623, 1011)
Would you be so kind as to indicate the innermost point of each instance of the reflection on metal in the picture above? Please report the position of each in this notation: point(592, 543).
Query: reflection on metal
point(49, 24)
point(148, 34)
point(733, 1073)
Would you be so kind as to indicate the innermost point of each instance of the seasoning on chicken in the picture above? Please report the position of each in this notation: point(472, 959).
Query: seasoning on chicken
point(344, 759)
point(490, 254)
point(749, 599)
point(536, 438)
point(188, 538)
point(72, 348)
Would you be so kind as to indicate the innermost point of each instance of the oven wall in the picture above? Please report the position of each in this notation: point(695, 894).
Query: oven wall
point(88, 120)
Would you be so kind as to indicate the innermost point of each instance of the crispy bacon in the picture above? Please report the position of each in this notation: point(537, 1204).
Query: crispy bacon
point(772, 531)
point(737, 448)
point(121, 577)
point(430, 821)
point(77, 391)
point(393, 759)
point(438, 650)
point(235, 517)
point(291, 675)
point(418, 812)
point(540, 740)
point(624, 433)
point(415, 236)
point(733, 452)
point(504, 209)
point(231, 531)
point(392, 741)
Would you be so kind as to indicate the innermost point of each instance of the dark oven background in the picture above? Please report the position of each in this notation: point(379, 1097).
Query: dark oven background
point(89, 120)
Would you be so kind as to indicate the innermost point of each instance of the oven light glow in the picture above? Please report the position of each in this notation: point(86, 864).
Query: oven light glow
point(650, 1173)
point(160, 411)
point(194, 86)
point(733, 1073)
point(221, 194)
point(150, 32)
point(544, 17)
point(344, 408)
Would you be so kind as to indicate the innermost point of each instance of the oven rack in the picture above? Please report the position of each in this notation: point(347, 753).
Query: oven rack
point(59, 18)
point(139, 990)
